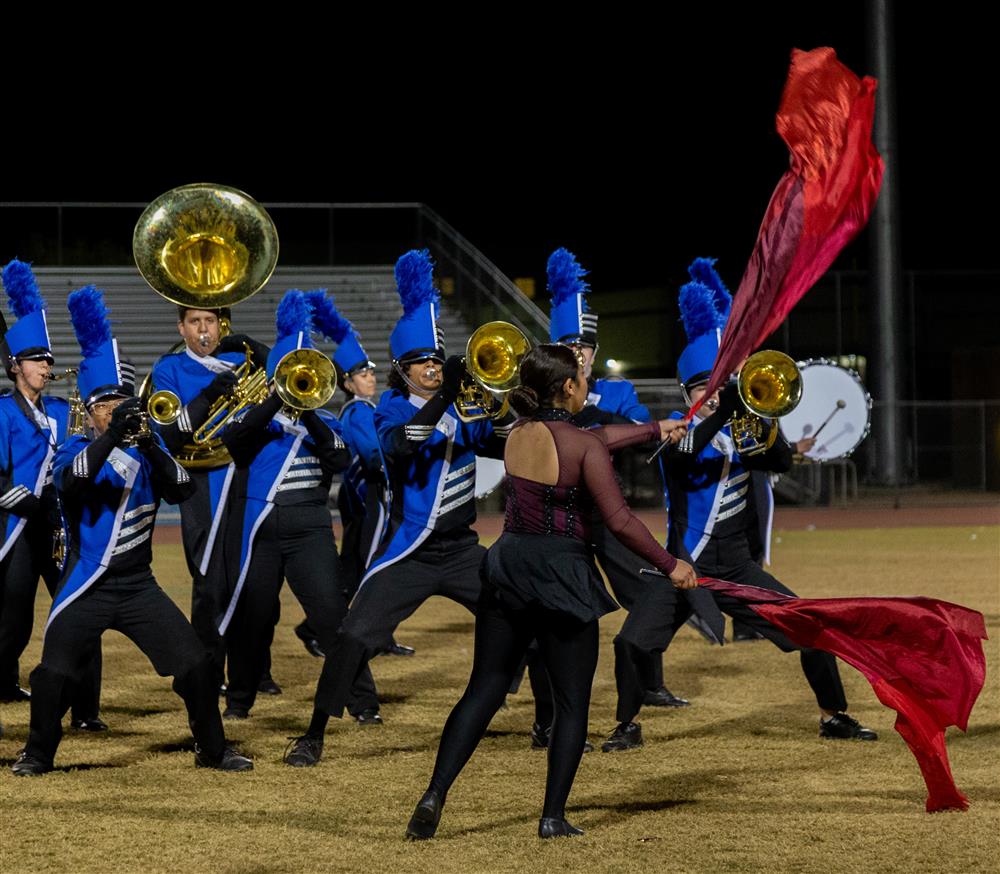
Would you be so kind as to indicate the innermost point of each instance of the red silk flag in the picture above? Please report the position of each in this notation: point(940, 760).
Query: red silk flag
point(923, 657)
point(818, 207)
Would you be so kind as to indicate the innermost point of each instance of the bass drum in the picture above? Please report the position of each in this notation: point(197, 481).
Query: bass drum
point(489, 474)
point(833, 395)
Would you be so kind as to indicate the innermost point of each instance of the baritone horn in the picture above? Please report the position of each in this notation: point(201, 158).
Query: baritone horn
point(304, 379)
point(770, 386)
point(493, 358)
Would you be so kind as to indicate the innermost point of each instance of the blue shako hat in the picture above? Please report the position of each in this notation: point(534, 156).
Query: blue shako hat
point(103, 372)
point(417, 334)
point(705, 303)
point(350, 356)
point(29, 337)
point(570, 320)
point(293, 322)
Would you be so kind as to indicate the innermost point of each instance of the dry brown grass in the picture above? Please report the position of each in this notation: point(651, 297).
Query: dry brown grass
point(737, 782)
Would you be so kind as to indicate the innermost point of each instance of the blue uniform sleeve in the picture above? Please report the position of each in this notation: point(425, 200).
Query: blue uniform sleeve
point(361, 435)
point(5, 457)
point(631, 408)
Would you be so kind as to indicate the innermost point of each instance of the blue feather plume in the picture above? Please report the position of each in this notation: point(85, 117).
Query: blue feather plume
point(703, 270)
point(293, 314)
point(565, 276)
point(698, 310)
point(415, 280)
point(326, 319)
point(89, 316)
point(22, 289)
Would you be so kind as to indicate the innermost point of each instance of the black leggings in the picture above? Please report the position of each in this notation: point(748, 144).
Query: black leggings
point(568, 649)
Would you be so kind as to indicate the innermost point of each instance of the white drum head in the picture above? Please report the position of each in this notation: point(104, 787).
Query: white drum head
point(835, 395)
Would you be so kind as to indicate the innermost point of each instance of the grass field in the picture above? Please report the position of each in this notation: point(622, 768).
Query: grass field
point(739, 781)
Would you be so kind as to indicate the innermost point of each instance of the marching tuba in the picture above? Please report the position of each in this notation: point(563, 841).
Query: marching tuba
point(206, 247)
point(493, 358)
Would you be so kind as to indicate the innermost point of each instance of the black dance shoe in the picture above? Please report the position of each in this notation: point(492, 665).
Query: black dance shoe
point(308, 641)
point(663, 697)
point(268, 686)
point(399, 649)
point(426, 817)
point(552, 827)
point(540, 739)
point(303, 752)
point(627, 736)
point(29, 766)
point(14, 694)
point(230, 760)
point(368, 717)
point(233, 712)
point(842, 727)
point(95, 724)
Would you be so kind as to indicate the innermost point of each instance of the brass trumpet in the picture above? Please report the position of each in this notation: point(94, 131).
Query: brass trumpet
point(493, 358)
point(770, 386)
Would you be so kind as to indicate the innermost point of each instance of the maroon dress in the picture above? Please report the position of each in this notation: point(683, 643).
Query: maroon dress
point(543, 557)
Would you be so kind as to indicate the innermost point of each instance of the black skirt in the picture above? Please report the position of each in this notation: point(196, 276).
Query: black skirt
point(549, 571)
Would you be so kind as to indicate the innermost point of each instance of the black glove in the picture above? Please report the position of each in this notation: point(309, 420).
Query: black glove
point(239, 342)
point(729, 401)
point(223, 384)
point(125, 419)
point(375, 477)
point(454, 373)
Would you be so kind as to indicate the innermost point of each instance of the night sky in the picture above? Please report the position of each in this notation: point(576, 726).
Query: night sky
point(637, 144)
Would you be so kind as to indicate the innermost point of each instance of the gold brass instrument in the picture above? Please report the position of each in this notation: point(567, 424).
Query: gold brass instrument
point(770, 386)
point(304, 379)
point(77, 413)
point(205, 247)
point(493, 357)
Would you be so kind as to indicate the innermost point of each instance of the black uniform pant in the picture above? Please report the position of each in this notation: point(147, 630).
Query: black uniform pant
point(296, 543)
point(445, 565)
point(567, 648)
point(138, 608)
point(28, 559)
point(661, 613)
point(210, 590)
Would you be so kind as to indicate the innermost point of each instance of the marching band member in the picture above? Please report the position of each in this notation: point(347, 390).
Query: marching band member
point(720, 510)
point(363, 499)
point(200, 374)
point(286, 527)
point(110, 485)
point(32, 427)
point(430, 548)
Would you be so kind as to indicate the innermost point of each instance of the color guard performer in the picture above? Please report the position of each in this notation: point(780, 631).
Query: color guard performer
point(32, 427)
point(110, 484)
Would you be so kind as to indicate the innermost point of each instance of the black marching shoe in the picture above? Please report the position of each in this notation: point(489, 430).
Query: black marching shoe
point(663, 697)
point(308, 641)
point(553, 827)
point(230, 760)
point(840, 726)
point(368, 717)
point(627, 736)
point(14, 694)
point(303, 752)
point(233, 712)
point(95, 724)
point(540, 739)
point(268, 686)
point(426, 817)
point(399, 649)
point(29, 766)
